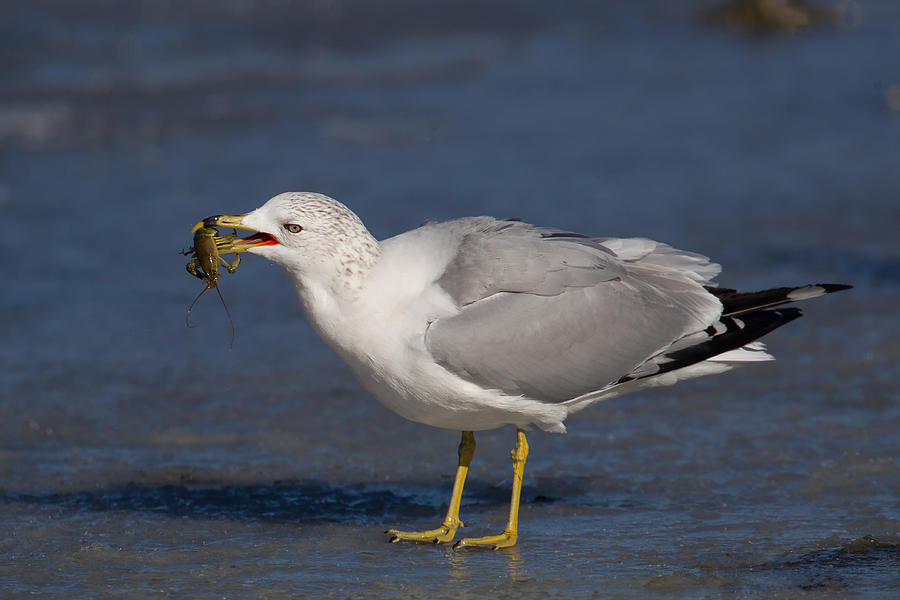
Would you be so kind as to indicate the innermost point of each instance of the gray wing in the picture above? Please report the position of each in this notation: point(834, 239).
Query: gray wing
point(553, 315)
point(510, 256)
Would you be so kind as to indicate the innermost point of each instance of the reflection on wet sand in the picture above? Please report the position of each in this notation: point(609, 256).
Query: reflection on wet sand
point(462, 565)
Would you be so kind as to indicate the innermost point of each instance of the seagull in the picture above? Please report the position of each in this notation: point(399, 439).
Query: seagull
point(475, 323)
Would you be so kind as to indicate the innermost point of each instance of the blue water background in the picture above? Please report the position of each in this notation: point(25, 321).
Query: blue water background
point(141, 458)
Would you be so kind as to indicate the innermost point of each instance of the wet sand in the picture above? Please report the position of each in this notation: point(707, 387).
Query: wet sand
point(139, 458)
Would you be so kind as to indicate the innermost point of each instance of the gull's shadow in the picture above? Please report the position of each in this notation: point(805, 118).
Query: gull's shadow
point(281, 501)
point(289, 501)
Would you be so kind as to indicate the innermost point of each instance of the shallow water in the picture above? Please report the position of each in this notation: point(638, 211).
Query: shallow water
point(140, 458)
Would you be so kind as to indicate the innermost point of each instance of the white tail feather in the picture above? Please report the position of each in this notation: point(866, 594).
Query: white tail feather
point(753, 352)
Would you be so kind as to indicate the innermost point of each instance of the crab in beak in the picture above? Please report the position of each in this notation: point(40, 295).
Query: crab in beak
point(230, 244)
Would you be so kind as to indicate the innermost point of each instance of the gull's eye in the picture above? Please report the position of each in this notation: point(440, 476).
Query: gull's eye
point(293, 227)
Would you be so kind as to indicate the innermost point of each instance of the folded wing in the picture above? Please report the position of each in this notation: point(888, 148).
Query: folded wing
point(553, 315)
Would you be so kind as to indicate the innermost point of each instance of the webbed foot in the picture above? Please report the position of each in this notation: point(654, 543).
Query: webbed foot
point(442, 535)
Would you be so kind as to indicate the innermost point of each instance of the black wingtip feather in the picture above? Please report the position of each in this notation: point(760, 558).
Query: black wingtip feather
point(746, 316)
point(735, 303)
point(741, 331)
point(835, 287)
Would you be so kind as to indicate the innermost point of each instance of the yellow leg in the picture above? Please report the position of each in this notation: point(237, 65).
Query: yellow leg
point(447, 530)
point(510, 534)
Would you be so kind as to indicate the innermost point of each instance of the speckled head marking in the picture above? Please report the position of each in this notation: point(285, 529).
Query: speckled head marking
point(319, 239)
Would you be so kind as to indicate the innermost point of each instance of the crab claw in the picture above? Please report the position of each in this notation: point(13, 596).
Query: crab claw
point(235, 246)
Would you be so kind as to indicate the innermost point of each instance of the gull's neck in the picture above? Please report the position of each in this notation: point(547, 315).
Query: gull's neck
point(331, 293)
